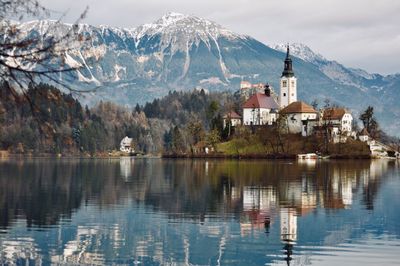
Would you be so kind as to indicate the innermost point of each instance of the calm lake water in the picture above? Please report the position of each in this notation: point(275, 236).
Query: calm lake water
point(198, 212)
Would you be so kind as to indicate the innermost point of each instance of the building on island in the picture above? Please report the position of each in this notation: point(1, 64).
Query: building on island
point(234, 118)
point(260, 109)
point(248, 89)
point(363, 135)
point(339, 119)
point(126, 145)
point(300, 118)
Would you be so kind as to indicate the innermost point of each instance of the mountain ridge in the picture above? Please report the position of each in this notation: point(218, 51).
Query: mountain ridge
point(178, 52)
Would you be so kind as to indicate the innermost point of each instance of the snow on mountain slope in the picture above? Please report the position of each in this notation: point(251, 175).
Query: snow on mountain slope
point(178, 52)
point(192, 28)
point(301, 51)
point(334, 70)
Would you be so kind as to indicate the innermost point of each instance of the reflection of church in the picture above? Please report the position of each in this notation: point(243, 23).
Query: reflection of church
point(259, 205)
point(288, 225)
point(288, 231)
point(234, 196)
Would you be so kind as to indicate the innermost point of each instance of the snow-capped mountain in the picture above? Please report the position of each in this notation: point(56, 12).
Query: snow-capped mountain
point(301, 51)
point(178, 52)
point(354, 77)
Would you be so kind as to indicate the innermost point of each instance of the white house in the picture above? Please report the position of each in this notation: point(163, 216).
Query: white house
point(125, 145)
point(300, 118)
point(363, 135)
point(233, 117)
point(339, 121)
point(260, 109)
point(338, 118)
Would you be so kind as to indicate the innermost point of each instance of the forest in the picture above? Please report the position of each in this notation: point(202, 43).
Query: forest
point(43, 119)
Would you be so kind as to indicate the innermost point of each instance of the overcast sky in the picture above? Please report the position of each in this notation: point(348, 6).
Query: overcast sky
point(357, 33)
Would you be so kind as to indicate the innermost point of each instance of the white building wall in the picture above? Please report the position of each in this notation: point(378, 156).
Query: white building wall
point(347, 122)
point(288, 93)
point(234, 122)
point(258, 116)
point(363, 138)
point(295, 122)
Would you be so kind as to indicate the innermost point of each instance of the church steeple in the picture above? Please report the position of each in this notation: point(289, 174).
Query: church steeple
point(288, 69)
point(288, 92)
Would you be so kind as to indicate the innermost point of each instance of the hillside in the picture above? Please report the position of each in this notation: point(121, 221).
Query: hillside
point(180, 52)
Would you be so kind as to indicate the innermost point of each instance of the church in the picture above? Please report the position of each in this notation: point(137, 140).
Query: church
point(263, 106)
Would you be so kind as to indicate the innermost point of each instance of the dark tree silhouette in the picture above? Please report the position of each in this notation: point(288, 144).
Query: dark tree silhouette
point(369, 121)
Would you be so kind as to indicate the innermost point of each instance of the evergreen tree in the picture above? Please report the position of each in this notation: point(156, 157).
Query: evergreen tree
point(369, 121)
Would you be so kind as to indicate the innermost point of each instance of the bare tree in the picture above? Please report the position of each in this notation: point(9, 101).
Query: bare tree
point(27, 57)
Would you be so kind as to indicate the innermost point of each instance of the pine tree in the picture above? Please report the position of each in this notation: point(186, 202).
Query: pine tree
point(370, 123)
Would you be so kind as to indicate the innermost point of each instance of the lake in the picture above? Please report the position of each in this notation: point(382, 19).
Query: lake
point(201, 212)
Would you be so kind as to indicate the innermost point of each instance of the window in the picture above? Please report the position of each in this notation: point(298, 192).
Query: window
point(284, 94)
point(292, 94)
point(284, 83)
point(292, 83)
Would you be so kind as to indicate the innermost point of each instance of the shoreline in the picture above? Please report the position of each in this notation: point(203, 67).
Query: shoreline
point(263, 156)
point(292, 157)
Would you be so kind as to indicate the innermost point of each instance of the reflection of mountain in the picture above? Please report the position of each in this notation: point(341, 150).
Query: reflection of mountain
point(132, 208)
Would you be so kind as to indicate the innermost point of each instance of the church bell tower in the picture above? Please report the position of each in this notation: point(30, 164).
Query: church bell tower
point(288, 93)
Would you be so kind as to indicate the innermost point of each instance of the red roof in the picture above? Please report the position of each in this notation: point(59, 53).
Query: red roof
point(260, 100)
point(232, 115)
point(298, 107)
point(334, 113)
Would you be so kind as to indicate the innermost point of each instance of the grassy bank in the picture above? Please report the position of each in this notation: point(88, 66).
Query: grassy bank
point(288, 147)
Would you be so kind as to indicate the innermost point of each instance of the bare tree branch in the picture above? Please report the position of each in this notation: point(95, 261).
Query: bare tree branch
point(28, 57)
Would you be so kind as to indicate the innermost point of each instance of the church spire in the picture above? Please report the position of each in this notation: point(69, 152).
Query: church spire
point(288, 69)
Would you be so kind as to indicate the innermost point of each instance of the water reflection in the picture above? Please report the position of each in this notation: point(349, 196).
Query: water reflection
point(191, 212)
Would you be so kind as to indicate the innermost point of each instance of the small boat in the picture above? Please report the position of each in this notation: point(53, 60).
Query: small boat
point(307, 156)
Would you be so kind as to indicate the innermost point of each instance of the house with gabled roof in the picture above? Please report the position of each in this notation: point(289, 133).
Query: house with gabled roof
point(126, 145)
point(300, 117)
point(233, 118)
point(363, 135)
point(339, 118)
point(260, 109)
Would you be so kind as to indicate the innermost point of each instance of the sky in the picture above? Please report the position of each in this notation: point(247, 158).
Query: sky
point(357, 33)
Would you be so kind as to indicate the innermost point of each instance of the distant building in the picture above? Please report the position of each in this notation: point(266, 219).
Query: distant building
point(377, 149)
point(248, 89)
point(300, 117)
point(363, 135)
point(126, 145)
point(234, 118)
point(260, 109)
